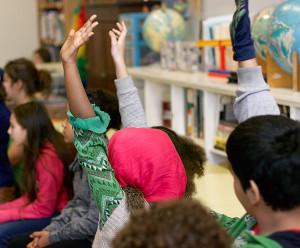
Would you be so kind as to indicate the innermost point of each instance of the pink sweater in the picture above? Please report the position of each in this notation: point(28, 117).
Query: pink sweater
point(52, 195)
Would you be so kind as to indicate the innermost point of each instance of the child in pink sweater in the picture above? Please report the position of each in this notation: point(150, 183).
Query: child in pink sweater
point(45, 178)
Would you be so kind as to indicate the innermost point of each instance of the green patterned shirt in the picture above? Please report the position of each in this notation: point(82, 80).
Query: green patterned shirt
point(92, 153)
point(242, 234)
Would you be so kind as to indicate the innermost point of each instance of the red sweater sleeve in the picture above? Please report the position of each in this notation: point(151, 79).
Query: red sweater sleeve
point(49, 181)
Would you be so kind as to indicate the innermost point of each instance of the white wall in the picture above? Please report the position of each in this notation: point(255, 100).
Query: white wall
point(19, 25)
point(18, 29)
point(211, 8)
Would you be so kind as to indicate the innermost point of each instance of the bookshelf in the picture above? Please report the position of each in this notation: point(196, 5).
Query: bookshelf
point(156, 82)
point(54, 23)
point(136, 49)
point(100, 67)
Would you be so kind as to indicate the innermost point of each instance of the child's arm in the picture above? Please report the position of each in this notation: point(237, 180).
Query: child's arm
point(89, 125)
point(78, 101)
point(117, 49)
point(130, 106)
point(253, 96)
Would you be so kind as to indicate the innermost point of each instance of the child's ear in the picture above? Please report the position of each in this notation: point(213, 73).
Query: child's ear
point(19, 84)
point(253, 193)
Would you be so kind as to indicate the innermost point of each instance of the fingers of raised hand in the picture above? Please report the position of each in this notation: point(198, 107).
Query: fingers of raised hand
point(116, 32)
point(89, 22)
point(87, 28)
point(120, 27)
point(124, 26)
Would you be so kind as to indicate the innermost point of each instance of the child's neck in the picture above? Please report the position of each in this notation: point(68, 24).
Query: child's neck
point(22, 99)
point(270, 221)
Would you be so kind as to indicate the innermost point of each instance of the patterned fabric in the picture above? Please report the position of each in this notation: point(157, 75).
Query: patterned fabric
point(92, 154)
point(242, 234)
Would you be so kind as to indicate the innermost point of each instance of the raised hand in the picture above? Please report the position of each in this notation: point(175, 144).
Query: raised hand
point(74, 41)
point(118, 37)
point(240, 32)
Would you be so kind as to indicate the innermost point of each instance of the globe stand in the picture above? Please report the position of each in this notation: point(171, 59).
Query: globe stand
point(279, 78)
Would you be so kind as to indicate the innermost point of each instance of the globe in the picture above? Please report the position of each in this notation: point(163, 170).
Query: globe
point(259, 33)
point(284, 34)
point(161, 25)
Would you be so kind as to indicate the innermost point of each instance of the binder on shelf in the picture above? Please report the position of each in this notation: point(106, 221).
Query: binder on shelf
point(284, 110)
point(227, 122)
point(194, 113)
point(166, 110)
point(222, 133)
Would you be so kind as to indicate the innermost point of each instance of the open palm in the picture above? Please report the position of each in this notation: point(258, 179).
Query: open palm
point(74, 41)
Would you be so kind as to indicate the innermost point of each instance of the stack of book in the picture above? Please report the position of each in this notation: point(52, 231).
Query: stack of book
point(51, 27)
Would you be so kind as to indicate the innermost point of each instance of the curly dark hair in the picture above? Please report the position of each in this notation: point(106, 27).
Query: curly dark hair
point(192, 156)
point(184, 223)
point(107, 102)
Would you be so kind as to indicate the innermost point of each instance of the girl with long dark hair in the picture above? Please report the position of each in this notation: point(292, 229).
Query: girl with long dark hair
point(45, 173)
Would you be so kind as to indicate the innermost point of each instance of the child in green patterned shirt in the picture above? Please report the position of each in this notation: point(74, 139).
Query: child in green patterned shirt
point(141, 158)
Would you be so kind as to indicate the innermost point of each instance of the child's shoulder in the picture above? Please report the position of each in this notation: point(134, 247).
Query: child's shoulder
point(48, 152)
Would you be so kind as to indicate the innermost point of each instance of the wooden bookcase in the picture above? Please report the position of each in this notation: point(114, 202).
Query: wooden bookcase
point(100, 68)
point(65, 7)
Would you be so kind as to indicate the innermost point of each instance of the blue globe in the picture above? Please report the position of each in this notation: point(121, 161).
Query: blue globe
point(259, 33)
point(161, 25)
point(284, 34)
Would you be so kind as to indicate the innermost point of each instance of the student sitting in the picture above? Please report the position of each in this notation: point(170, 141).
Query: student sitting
point(7, 191)
point(184, 223)
point(77, 224)
point(132, 112)
point(41, 55)
point(136, 158)
point(45, 176)
point(21, 82)
point(264, 154)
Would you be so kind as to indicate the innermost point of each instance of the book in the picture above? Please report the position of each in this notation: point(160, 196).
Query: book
point(194, 113)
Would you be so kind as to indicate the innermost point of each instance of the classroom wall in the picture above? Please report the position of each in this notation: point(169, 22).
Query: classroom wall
point(18, 29)
point(213, 8)
point(19, 25)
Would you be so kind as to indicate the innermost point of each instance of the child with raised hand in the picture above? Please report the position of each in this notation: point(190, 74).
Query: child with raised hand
point(139, 166)
point(132, 112)
point(253, 96)
point(264, 155)
point(45, 173)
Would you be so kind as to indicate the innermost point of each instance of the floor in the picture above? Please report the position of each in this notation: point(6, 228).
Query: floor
point(215, 190)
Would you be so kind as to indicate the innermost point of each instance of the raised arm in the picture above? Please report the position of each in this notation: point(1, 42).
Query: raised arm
point(89, 123)
point(130, 106)
point(117, 38)
point(78, 101)
point(253, 96)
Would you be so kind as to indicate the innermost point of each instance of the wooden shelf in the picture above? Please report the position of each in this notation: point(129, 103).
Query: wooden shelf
point(156, 81)
point(50, 6)
point(51, 42)
point(218, 152)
